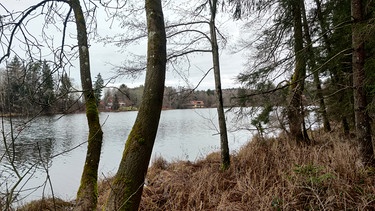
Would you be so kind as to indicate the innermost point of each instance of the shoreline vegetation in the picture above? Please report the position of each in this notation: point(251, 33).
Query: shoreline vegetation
point(266, 174)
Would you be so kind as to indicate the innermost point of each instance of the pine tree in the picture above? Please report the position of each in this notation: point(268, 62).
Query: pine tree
point(14, 78)
point(32, 88)
point(64, 93)
point(362, 119)
point(48, 94)
point(115, 103)
point(98, 88)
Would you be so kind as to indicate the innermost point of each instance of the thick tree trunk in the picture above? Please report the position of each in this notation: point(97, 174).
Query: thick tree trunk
point(128, 182)
point(88, 192)
point(225, 157)
point(363, 127)
point(312, 65)
point(295, 114)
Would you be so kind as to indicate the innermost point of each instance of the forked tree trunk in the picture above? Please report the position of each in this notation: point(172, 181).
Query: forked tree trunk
point(129, 180)
point(362, 123)
point(88, 191)
point(225, 157)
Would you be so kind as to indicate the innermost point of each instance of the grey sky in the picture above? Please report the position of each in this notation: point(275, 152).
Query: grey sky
point(102, 56)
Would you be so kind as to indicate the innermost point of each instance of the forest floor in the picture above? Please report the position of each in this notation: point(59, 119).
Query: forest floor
point(267, 174)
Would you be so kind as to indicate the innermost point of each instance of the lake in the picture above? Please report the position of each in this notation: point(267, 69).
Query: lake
point(56, 146)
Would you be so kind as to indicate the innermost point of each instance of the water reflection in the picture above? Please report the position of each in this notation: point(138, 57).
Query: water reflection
point(182, 134)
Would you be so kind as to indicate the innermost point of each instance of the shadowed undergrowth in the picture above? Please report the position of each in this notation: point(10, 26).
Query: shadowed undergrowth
point(265, 175)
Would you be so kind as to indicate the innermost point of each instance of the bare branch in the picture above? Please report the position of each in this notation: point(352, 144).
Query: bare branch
point(18, 24)
point(188, 52)
point(186, 24)
point(190, 30)
point(64, 33)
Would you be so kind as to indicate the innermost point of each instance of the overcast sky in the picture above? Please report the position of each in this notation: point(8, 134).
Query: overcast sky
point(104, 56)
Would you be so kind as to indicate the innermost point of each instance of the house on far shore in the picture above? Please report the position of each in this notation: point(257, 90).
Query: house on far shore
point(110, 103)
point(196, 104)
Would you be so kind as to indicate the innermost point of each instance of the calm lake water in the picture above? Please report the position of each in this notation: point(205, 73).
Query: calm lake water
point(45, 145)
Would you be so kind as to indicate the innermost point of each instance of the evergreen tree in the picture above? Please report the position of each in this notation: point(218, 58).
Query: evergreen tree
point(362, 119)
point(312, 67)
point(336, 61)
point(115, 103)
point(14, 78)
point(64, 93)
point(297, 84)
point(98, 88)
point(280, 49)
point(48, 94)
point(31, 88)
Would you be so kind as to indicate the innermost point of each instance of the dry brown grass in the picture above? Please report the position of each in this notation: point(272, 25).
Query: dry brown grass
point(266, 175)
point(47, 205)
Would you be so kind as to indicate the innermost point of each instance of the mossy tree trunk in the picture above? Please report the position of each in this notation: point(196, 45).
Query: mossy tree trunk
point(295, 107)
point(129, 180)
point(225, 157)
point(87, 193)
point(362, 120)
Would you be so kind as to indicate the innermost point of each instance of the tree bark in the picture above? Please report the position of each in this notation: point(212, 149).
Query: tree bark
point(312, 65)
point(225, 157)
point(295, 111)
point(88, 192)
point(362, 123)
point(129, 180)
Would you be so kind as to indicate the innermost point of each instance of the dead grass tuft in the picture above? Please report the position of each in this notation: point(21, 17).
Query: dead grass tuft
point(104, 188)
point(47, 205)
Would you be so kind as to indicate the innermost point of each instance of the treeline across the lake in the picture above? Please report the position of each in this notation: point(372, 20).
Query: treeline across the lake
point(36, 87)
point(124, 98)
point(29, 88)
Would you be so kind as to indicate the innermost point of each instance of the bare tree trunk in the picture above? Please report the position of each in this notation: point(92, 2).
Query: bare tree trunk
point(88, 191)
point(363, 127)
point(295, 111)
point(312, 64)
point(128, 183)
point(225, 157)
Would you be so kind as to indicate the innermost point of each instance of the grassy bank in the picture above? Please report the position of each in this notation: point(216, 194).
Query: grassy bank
point(265, 175)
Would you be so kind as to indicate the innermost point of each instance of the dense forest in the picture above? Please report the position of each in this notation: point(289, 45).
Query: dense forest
point(33, 88)
point(302, 56)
